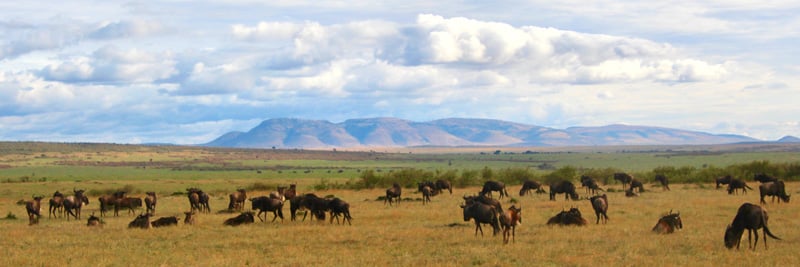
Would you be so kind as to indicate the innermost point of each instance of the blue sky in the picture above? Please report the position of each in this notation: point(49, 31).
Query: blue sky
point(187, 72)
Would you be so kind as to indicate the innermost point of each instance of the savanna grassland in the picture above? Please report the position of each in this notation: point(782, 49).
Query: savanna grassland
point(411, 234)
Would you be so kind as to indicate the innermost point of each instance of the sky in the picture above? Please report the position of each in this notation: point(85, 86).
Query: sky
point(186, 72)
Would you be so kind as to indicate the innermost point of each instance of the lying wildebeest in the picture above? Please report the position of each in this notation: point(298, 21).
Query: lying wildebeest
point(442, 184)
point(130, 203)
point(630, 193)
point(490, 186)
point(237, 199)
point(481, 213)
point(93, 221)
point(243, 218)
point(150, 201)
point(427, 193)
point(141, 221)
point(110, 200)
point(267, 204)
point(485, 200)
point(565, 187)
point(509, 221)
point(737, 184)
point(600, 206)
point(663, 180)
point(165, 221)
point(774, 189)
point(590, 184)
point(636, 186)
point(529, 185)
point(73, 204)
point(33, 209)
point(571, 217)
point(393, 194)
point(623, 178)
point(750, 217)
point(764, 178)
point(56, 205)
point(723, 180)
point(668, 223)
point(189, 218)
point(339, 207)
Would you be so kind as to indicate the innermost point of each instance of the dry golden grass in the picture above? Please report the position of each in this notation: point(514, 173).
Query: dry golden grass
point(411, 234)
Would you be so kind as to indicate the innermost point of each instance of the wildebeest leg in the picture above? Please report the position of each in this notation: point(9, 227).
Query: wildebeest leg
point(478, 227)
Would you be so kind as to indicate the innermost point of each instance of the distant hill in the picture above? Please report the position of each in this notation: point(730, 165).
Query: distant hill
point(394, 132)
point(789, 139)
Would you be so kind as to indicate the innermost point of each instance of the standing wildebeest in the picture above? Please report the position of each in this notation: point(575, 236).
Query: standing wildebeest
point(485, 200)
point(723, 180)
point(668, 223)
point(264, 204)
point(481, 213)
point(204, 198)
point(600, 206)
point(56, 205)
point(73, 204)
point(339, 207)
point(141, 221)
point(737, 184)
point(392, 194)
point(108, 201)
point(130, 203)
point(442, 184)
point(774, 189)
point(571, 217)
point(198, 200)
point(165, 221)
point(33, 209)
point(150, 201)
point(529, 185)
point(623, 178)
point(490, 186)
point(427, 193)
point(509, 221)
point(290, 192)
point(663, 180)
point(750, 217)
point(764, 178)
point(237, 200)
point(243, 218)
point(590, 184)
point(565, 187)
point(636, 186)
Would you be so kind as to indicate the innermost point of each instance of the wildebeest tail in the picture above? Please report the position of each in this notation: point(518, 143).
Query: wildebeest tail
point(748, 187)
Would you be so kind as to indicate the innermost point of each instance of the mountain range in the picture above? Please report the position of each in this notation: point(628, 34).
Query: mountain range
point(394, 132)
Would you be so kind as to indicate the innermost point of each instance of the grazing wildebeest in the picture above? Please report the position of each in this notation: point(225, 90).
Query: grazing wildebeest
point(623, 178)
point(142, 221)
point(565, 187)
point(165, 221)
point(442, 184)
point(73, 204)
point(93, 221)
point(509, 221)
point(107, 201)
point(490, 186)
point(339, 207)
point(600, 206)
point(56, 205)
point(668, 223)
point(33, 209)
point(663, 180)
point(764, 178)
point(751, 217)
point(737, 184)
point(189, 218)
point(723, 180)
point(427, 193)
point(243, 218)
point(482, 198)
point(774, 189)
point(636, 186)
point(571, 217)
point(529, 185)
point(237, 199)
point(590, 184)
point(481, 213)
point(130, 203)
point(150, 201)
point(267, 204)
point(393, 194)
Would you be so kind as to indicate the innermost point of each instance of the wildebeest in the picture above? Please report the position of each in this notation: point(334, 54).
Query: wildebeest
point(150, 201)
point(298, 203)
point(56, 205)
point(482, 214)
point(490, 186)
point(636, 186)
point(565, 187)
point(735, 184)
point(165, 221)
point(623, 178)
point(237, 199)
point(267, 204)
point(529, 185)
point(509, 221)
point(339, 207)
point(663, 180)
point(393, 194)
point(290, 192)
point(189, 217)
point(278, 194)
point(723, 180)
point(751, 217)
point(630, 193)
point(485, 200)
point(571, 217)
point(93, 221)
point(141, 221)
point(764, 178)
point(774, 189)
point(130, 203)
point(110, 200)
point(198, 200)
point(243, 218)
point(668, 223)
point(33, 209)
point(590, 184)
point(74, 203)
point(442, 184)
point(427, 193)
point(600, 206)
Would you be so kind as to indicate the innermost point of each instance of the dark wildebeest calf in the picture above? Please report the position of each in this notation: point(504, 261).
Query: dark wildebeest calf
point(737, 184)
point(529, 185)
point(481, 213)
point(600, 206)
point(750, 217)
point(623, 178)
point(243, 218)
point(393, 194)
point(509, 221)
point(33, 209)
point(668, 223)
point(774, 189)
point(663, 180)
point(565, 187)
point(150, 201)
point(267, 204)
point(490, 186)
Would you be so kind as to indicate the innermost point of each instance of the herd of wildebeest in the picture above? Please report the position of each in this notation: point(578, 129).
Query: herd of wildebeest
point(481, 208)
